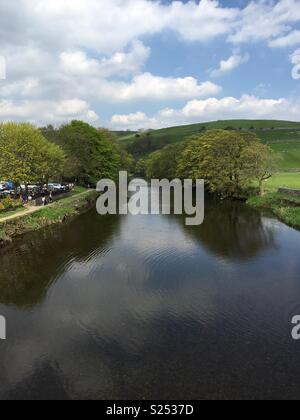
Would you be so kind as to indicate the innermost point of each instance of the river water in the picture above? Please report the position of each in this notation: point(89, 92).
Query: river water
point(143, 307)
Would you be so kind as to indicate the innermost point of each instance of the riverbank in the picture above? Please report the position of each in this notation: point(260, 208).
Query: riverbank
point(285, 206)
point(24, 210)
point(38, 218)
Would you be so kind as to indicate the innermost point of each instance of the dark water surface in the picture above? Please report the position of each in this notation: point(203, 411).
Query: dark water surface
point(146, 308)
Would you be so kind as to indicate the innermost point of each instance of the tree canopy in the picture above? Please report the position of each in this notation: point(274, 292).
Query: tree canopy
point(26, 156)
point(92, 154)
point(228, 160)
point(163, 163)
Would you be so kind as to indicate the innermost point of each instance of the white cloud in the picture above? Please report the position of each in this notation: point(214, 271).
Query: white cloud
point(25, 87)
point(265, 20)
point(47, 111)
point(229, 107)
point(136, 120)
point(149, 87)
point(120, 63)
point(92, 49)
point(226, 66)
point(293, 38)
point(200, 22)
point(109, 25)
point(75, 74)
point(196, 111)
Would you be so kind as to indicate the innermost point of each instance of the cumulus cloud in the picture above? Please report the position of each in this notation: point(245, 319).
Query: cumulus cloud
point(293, 38)
point(226, 66)
point(109, 25)
point(246, 107)
point(120, 63)
point(40, 112)
point(138, 119)
point(92, 50)
point(265, 21)
point(149, 87)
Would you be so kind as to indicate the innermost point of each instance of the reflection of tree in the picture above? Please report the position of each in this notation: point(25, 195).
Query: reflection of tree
point(35, 387)
point(35, 261)
point(233, 231)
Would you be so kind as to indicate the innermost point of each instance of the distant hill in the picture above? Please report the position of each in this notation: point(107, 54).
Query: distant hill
point(282, 136)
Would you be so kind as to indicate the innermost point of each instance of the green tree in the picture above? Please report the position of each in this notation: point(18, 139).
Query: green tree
point(25, 155)
point(92, 154)
point(260, 163)
point(141, 167)
point(52, 162)
point(224, 160)
point(163, 163)
point(127, 162)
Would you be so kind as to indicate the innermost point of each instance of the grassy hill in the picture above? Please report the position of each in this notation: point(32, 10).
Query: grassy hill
point(281, 136)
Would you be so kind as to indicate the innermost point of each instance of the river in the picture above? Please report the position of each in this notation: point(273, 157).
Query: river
point(143, 307)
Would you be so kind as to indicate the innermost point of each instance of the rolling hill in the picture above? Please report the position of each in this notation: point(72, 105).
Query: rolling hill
point(281, 136)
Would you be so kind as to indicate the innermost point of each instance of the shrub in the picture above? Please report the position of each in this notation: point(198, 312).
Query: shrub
point(9, 204)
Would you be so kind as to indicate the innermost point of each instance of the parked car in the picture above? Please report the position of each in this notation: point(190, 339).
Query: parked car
point(7, 193)
point(58, 187)
point(55, 186)
point(6, 185)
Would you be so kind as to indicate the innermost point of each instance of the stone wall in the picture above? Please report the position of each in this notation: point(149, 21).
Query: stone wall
point(289, 191)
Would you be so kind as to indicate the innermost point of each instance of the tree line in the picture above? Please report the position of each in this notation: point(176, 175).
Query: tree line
point(229, 161)
point(73, 152)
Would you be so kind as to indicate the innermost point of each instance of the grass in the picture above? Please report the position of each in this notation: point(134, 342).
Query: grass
point(183, 130)
point(65, 207)
point(78, 190)
point(283, 180)
point(290, 154)
point(285, 206)
point(289, 215)
point(282, 136)
point(11, 212)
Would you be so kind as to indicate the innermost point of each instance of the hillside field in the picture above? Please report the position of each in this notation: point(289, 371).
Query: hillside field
point(282, 136)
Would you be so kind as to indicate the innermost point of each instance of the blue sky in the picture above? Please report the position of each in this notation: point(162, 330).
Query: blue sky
point(130, 64)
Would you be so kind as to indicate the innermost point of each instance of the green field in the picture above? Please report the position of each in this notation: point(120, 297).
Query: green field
point(282, 136)
point(283, 180)
point(289, 154)
point(283, 129)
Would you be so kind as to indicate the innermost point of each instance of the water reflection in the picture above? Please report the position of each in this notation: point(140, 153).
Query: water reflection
point(143, 307)
point(31, 264)
point(233, 231)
